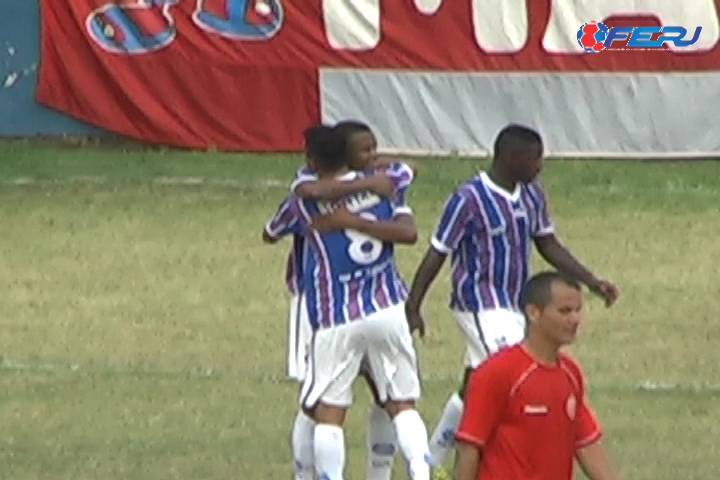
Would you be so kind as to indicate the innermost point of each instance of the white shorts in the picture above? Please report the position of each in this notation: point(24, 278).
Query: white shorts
point(488, 332)
point(299, 333)
point(382, 340)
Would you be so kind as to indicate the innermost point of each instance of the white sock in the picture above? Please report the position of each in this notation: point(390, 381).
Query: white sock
point(412, 440)
point(301, 441)
point(381, 444)
point(329, 452)
point(443, 438)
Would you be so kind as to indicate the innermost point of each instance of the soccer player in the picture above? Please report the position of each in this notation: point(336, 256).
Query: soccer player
point(389, 176)
point(381, 432)
point(299, 330)
point(299, 327)
point(354, 298)
point(526, 415)
point(487, 226)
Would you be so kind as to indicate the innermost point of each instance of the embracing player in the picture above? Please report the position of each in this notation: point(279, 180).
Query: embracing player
point(354, 299)
point(488, 226)
point(389, 176)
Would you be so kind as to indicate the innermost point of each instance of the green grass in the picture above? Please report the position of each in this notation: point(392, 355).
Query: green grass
point(143, 324)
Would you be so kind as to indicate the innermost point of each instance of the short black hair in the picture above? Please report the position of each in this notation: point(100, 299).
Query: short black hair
point(538, 290)
point(351, 127)
point(515, 137)
point(330, 150)
point(312, 136)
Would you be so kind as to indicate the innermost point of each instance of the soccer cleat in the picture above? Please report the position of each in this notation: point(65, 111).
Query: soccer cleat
point(440, 473)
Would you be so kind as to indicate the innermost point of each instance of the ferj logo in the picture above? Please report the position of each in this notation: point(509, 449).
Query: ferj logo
point(591, 36)
point(596, 37)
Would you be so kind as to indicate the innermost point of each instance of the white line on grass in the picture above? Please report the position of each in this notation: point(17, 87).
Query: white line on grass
point(162, 181)
point(648, 386)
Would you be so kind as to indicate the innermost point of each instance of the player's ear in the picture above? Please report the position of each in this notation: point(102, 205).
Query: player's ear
point(532, 313)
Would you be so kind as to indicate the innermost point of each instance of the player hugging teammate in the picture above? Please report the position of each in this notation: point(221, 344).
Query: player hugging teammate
point(351, 309)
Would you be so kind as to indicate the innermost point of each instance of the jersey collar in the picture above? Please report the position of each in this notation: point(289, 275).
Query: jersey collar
point(512, 196)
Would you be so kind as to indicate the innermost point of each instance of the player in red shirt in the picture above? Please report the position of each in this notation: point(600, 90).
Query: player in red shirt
point(526, 417)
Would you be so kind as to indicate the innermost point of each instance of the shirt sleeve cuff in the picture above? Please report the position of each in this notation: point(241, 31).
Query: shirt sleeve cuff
point(544, 232)
point(301, 179)
point(471, 439)
point(270, 232)
point(439, 246)
point(589, 440)
point(410, 172)
point(404, 210)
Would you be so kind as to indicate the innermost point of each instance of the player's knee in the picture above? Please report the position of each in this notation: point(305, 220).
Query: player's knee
point(329, 414)
point(310, 412)
point(393, 407)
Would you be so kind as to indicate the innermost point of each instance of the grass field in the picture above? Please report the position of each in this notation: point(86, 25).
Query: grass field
point(143, 321)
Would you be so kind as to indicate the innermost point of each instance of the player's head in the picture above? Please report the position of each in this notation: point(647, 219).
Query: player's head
point(312, 136)
point(518, 151)
point(552, 304)
point(329, 151)
point(362, 144)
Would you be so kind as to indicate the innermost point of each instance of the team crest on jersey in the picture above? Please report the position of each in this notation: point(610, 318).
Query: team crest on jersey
point(571, 407)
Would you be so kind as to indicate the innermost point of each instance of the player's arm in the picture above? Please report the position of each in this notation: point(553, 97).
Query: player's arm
point(556, 254)
point(283, 223)
point(425, 275)
point(595, 462)
point(382, 163)
point(487, 395)
point(590, 453)
point(401, 229)
point(560, 257)
point(334, 189)
point(467, 461)
point(447, 236)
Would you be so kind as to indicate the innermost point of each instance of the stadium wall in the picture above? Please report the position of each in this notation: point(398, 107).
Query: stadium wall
point(432, 76)
point(20, 115)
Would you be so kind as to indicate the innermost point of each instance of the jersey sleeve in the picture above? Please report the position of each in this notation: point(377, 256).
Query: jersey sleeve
point(486, 398)
point(587, 428)
point(302, 175)
point(452, 225)
point(402, 177)
point(545, 225)
point(286, 220)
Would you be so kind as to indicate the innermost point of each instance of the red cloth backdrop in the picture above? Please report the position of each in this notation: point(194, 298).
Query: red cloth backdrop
point(203, 73)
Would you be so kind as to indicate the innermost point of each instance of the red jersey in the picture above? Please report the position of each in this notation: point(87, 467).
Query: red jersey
point(527, 418)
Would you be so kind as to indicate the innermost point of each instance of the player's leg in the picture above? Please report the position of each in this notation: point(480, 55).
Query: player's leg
point(301, 437)
point(380, 436)
point(302, 445)
point(484, 335)
point(442, 439)
point(295, 363)
point(393, 365)
point(334, 361)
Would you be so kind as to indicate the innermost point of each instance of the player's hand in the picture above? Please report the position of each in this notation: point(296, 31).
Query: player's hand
point(415, 320)
point(338, 219)
point(607, 290)
point(381, 184)
point(382, 162)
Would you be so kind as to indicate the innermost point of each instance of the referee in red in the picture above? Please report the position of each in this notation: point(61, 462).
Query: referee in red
point(526, 417)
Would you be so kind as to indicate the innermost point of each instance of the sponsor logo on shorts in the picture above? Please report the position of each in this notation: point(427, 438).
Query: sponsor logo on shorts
point(383, 449)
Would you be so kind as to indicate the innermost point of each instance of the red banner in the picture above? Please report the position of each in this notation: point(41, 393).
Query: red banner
point(243, 74)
